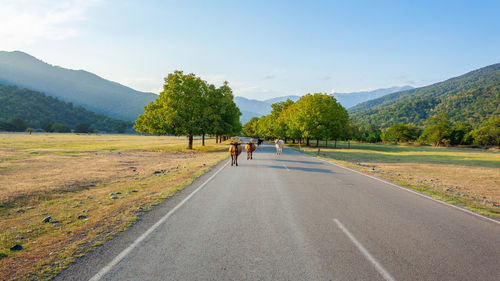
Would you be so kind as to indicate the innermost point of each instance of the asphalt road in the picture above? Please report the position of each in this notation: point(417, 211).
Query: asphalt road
point(294, 217)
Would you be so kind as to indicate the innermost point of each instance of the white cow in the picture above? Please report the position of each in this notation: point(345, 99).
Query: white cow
point(279, 146)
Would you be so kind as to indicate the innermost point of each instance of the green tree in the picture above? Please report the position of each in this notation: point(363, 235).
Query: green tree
point(438, 131)
point(60, 128)
point(178, 110)
point(83, 128)
point(18, 125)
point(230, 113)
point(320, 116)
point(120, 127)
point(459, 134)
point(489, 133)
point(370, 133)
point(189, 106)
point(401, 133)
point(47, 127)
point(264, 127)
point(5, 126)
point(249, 129)
point(279, 126)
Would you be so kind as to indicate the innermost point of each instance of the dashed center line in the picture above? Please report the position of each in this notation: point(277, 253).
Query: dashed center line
point(387, 276)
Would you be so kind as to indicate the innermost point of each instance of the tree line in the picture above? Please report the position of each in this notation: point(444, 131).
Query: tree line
point(313, 117)
point(438, 131)
point(190, 106)
point(321, 117)
point(20, 125)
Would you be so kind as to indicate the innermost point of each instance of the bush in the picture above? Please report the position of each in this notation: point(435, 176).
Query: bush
point(83, 128)
point(47, 127)
point(60, 128)
point(489, 133)
point(14, 125)
point(120, 127)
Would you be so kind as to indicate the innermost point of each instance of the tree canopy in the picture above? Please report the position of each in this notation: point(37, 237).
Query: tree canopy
point(313, 116)
point(190, 106)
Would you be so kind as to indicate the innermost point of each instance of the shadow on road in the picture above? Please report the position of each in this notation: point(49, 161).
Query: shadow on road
point(298, 161)
point(300, 169)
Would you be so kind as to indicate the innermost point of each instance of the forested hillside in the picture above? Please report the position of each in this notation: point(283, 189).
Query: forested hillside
point(77, 86)
point(38, 109)
point(471, 98)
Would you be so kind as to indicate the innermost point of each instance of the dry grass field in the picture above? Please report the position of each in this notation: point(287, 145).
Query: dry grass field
point(92, 186)
point(461, 176)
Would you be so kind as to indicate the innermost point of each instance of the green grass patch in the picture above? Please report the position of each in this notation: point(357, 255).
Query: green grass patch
point(387, 153)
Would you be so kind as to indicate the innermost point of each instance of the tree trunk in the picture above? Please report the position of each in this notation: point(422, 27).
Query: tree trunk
point(307, 141)
point(326, 142)
point(190, 146)
point(348, 143)
point(317, 142)
point(293, 141)
point(203, 139)
point(335, 145)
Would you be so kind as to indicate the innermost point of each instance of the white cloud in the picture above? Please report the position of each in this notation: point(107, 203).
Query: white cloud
point(25, 22)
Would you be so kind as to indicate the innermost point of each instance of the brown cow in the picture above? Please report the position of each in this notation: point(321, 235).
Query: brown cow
point(250, 148)
point(235, 150)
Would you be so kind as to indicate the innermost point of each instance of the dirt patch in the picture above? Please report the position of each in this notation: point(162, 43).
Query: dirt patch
point(483, 186)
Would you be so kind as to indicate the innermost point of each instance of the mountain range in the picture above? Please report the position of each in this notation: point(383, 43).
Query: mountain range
point(77, 86)
point(256, 108)
point(37, 109)
point(472, 97)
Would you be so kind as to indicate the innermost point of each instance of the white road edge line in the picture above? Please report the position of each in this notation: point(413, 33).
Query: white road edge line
point(143, 236)
point(286, 168)
point(387, 276)
point(412, 191)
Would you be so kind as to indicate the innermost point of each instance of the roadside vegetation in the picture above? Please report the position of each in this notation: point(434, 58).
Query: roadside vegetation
point(91, 187)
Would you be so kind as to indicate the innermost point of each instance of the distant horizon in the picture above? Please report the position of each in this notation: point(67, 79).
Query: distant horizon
point(97, 74)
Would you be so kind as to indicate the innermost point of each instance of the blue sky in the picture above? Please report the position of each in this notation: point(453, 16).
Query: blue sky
point(263, 48)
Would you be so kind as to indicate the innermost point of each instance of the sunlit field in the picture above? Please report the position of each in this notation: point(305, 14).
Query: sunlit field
point(92, 186)
point(463, 176)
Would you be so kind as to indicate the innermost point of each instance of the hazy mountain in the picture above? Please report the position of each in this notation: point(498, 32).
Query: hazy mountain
point(255, 108)
point(284, 98)
point(36, 109)
point(77, 86)
point(471, 97)
point(251, 108)
point(348, 100)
